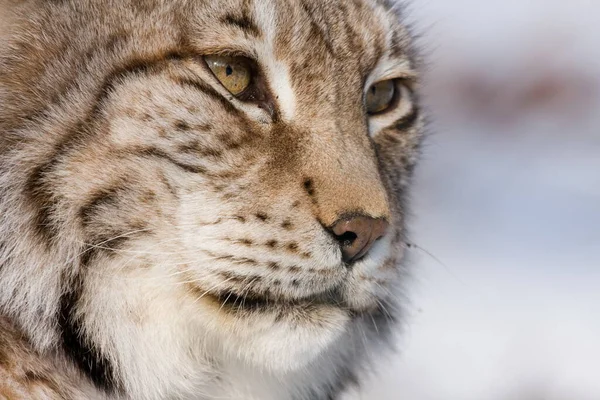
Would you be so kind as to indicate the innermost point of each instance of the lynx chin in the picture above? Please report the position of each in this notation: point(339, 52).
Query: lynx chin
point(202, 199)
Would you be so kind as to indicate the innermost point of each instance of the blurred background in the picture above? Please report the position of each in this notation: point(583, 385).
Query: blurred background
point(505, 302)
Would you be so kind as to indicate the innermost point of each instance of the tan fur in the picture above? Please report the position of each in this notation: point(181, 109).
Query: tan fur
point(160, 238)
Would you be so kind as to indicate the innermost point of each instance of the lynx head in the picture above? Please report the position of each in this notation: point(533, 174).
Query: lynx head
point(188, 182)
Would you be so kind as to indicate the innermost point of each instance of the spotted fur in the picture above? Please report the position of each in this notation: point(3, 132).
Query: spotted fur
point(160, 238)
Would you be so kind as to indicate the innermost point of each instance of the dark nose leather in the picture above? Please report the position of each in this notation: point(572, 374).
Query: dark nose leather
point(357, 234)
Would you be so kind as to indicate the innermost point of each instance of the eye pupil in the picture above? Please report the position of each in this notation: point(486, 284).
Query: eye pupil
point(228, 70)
point(373, 89)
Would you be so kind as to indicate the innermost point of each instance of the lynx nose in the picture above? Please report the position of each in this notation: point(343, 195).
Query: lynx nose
point(357, 234)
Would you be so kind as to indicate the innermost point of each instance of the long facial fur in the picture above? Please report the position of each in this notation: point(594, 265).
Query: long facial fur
point(136, 194)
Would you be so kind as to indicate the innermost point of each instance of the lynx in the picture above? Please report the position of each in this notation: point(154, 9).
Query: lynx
point(202, 199)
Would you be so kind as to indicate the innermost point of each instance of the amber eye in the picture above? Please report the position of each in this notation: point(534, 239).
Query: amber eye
point(233, 72)
point(380, 96)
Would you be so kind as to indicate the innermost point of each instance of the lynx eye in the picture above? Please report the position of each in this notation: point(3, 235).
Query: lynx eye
point(234, 73)
point(380, 96)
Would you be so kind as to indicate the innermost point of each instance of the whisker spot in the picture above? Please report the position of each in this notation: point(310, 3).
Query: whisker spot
point(274, 266)
point(262, 216)
point(309, 187)
point(182, 125)
point(293, 247)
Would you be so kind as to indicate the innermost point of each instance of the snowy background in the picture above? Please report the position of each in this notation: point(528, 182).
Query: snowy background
point(508, 201)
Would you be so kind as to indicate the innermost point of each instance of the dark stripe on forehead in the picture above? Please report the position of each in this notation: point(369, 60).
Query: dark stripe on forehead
point(319, 30)
point(401, 45)
point(352, 36)
point(397, 46)
point(243, 22)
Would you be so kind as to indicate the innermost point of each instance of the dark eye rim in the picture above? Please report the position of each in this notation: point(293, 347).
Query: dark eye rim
point(399, 83)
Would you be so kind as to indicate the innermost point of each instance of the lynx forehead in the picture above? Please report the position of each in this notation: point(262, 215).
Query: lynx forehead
point(202, 199)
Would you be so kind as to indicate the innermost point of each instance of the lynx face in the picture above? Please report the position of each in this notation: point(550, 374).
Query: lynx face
point(201, 184)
